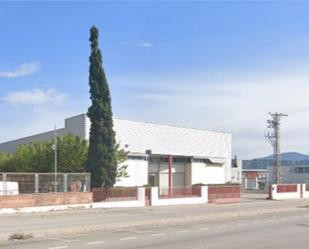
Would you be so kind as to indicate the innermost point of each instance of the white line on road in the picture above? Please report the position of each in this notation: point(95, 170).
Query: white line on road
point(256, 222)
point(158, 234)
point(204, 228)
point(95, 243)
point(143, 232)
point(128, 238)
point(182, 231)
point(58, 247)
point(64, 240)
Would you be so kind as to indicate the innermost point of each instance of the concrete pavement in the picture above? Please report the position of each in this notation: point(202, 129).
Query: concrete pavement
point(283, 230)
point(81, 221)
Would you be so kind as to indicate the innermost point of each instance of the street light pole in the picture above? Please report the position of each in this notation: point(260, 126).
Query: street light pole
point(55, 159)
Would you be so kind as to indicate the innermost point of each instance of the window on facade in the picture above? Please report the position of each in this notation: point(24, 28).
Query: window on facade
point(214, 165)
point(199, 160)
point(137, 157)
point(181, 159)
point(302, 170)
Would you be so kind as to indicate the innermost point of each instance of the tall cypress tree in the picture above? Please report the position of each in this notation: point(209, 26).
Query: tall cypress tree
point(101, 161)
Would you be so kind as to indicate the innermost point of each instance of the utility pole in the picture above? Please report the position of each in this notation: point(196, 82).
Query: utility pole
point(54, 147)
point(273, 136)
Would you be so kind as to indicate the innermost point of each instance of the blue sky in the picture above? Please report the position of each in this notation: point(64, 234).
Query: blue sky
point(213, 65)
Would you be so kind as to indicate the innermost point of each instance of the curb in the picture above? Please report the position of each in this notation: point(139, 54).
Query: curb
point(38, 234)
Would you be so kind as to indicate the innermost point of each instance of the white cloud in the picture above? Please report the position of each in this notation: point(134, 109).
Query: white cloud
point(145, 44)
point(34, 97)
point(233, 102)
point(23, 70)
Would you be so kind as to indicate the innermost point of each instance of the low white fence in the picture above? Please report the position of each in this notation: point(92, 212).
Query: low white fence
point(139, 202)
point(156, 201)
point(288, 191)
point(305, 190)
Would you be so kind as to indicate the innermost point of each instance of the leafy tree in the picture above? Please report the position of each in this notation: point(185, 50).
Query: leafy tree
point(5, 159)
point(101, 160)
point(33, 157)
point(39, 156)
point(72, 153)
point(121, 157)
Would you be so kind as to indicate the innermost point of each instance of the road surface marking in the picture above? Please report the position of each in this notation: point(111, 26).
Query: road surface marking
point(158, 234)
point(128, 238)
point(95, 243)
point(204, 228)
point(182, 231)
point(58, 247)
point(256, 222)
point(142, 232)
point(64, 240)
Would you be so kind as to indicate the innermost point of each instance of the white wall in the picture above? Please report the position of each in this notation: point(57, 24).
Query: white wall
point(305, 193)
point(137, 171)
point(236, 172)
point(140, 202)
point(285, 196)
point(155, 201)
point(202, 173)
point(161, 140)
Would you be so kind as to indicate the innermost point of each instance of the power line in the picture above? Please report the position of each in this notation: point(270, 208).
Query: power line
point(273, 136)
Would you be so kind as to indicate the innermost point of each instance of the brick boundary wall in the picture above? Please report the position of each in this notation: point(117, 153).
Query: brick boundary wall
point(115, 194)
point(286, 188)
point(224, 194)
point(48, 199)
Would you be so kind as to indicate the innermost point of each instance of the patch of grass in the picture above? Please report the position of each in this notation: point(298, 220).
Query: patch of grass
point(20, 236)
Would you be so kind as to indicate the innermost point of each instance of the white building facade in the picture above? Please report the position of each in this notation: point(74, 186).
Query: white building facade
point(159, 155)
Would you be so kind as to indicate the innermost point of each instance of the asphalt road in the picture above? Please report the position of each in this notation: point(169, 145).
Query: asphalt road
point(284, 230)
point(80, 221)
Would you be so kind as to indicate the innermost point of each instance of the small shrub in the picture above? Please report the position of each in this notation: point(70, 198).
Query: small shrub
point(20, 236)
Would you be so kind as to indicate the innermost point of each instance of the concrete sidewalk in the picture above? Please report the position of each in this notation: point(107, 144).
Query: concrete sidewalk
point(82, 221)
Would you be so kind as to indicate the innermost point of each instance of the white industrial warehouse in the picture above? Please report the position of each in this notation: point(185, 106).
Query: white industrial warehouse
point(159, 155)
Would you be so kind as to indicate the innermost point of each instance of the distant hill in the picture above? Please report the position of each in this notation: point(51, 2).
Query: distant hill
point(287, 159)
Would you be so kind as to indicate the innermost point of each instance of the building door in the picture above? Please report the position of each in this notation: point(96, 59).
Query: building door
point(152, 180)
point(251, 183)
point(179, 179)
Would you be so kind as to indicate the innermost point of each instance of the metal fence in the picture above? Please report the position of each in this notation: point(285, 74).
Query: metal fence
point(27, 183)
